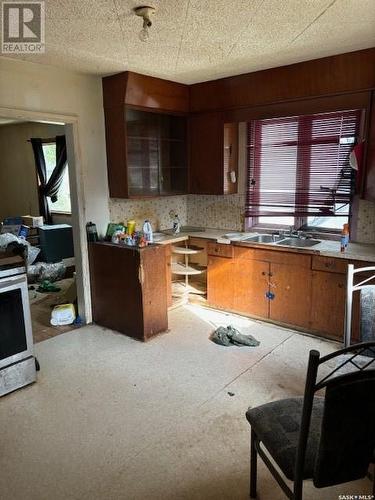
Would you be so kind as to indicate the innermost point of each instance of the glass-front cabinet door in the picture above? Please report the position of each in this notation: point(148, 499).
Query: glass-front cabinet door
point(156, 153)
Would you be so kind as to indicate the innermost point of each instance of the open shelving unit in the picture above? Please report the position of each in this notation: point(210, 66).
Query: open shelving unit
point(185, 269)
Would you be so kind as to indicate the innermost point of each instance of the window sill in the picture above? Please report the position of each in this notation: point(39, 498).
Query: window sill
point(55, 212)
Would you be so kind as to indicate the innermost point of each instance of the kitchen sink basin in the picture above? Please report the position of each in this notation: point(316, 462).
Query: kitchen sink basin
point(263, 238)
point(298, 243)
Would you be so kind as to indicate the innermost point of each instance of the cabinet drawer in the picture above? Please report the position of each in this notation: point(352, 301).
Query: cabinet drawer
point(274, 256)
point(245, 253)
point(220, 250)
point(329, 264)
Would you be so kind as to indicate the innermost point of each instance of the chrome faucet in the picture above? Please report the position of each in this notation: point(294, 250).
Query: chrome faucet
point(292, 233)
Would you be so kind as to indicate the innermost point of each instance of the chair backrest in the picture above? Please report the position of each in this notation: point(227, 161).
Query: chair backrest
point(347, 440)
point(347, 434)
point(358, 279)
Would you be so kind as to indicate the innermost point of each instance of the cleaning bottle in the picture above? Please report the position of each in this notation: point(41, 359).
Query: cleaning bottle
point(176, 224)
point(344, 242)
point(147, 232)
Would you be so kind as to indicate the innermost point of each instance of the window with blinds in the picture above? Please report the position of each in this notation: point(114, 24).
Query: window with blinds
point(299, 166)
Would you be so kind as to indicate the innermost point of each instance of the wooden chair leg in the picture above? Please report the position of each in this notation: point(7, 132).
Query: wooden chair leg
point(253, 466)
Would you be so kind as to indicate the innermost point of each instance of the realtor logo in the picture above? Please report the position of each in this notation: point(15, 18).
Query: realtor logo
point(23, 28)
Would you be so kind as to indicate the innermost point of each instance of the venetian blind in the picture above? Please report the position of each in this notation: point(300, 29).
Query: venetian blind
point(300, 165)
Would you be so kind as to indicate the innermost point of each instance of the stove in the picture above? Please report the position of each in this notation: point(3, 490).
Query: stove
point(17, 362)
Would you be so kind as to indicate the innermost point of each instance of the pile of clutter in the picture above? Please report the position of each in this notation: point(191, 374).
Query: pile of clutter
point(13, 234)
point(127, 235)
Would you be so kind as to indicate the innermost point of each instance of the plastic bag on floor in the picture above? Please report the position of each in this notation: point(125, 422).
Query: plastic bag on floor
point(64, 314)
point(229, 335)
point(46, 271)
point(8, 239)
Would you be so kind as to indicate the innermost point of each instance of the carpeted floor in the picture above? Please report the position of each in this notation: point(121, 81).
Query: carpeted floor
point(111, 418)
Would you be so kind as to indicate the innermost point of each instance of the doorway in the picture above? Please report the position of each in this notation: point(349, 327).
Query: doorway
point(66, 268)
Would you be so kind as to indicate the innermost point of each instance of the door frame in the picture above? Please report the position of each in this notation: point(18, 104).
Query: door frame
point(77, 196)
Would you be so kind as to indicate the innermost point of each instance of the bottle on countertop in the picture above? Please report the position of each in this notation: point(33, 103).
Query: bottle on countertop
point(92, 234)
point(147, 232)
point(344, 241)
point(176, 224)
point(131, 227)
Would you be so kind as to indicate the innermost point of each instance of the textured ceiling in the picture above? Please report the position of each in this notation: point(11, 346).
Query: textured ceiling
point(197, 40)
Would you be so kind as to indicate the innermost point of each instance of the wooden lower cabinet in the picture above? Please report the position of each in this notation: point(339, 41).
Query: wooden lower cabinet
point(251, 285)
point(128, 288)
point(304, 291)
point(328, 303)
point(168, 262)
point(220, 282)
point(291, 286)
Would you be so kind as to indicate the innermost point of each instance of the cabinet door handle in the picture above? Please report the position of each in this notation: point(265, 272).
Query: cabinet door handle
point(263, 273)
point(270, 275)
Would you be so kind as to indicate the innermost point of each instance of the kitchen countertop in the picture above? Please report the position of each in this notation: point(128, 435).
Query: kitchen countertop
point(327, 248)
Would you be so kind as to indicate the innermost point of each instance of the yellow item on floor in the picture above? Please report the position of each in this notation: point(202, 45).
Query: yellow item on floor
point(64, 314)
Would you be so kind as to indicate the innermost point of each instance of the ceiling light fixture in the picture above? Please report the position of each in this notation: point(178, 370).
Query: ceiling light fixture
point(145, 12)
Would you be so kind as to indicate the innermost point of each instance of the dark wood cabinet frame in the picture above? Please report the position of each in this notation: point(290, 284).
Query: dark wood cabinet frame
point(344, 81)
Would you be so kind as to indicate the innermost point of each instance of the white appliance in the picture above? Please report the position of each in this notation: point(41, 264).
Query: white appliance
point(17, 362)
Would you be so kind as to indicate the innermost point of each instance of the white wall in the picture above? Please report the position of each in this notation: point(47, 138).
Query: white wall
point(44, 91)
point(18, 179)
point(40, 88)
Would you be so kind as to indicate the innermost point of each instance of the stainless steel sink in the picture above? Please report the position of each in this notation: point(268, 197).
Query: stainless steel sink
point(263, 238)
point(298, 243)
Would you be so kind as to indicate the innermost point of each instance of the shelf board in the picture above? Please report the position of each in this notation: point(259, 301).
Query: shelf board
point(142, 168)
point(146, 138)
point(179, 289)
point(187, 250)
point(156, 168)
point(189, 270)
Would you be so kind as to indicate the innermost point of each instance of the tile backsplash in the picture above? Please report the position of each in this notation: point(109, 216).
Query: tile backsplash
point(157, 210)
point(366, 222)
point(223, 212)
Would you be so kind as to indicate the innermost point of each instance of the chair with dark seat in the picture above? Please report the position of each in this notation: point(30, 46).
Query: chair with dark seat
point(329, 438)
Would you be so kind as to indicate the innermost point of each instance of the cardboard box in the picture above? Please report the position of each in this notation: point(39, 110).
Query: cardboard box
point(32, 221)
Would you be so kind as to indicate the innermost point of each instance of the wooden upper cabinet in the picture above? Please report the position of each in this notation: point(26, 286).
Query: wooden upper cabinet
point(146, 136)
point(333, 75)
point(156, 153)
point(115, 137)
point(213, 154)
point(145, 92)
point(230, 160)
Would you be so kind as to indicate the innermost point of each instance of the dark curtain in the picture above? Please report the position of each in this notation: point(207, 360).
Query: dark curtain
point(49, 188)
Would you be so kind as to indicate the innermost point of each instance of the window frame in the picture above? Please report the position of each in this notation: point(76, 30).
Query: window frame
point(48, 142)
point(300, 222)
